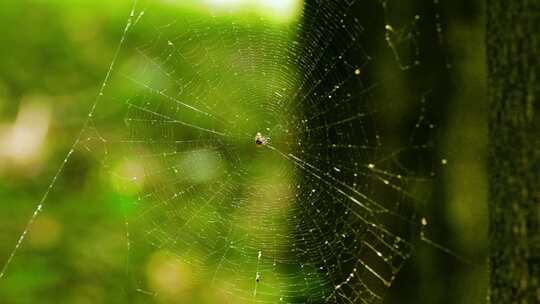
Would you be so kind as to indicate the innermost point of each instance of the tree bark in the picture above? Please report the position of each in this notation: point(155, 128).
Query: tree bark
point(513, 51)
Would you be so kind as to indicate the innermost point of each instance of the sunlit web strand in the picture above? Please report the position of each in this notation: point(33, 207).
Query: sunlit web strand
point(39, 208)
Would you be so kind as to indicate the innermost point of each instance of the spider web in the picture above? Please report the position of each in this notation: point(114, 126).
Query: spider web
point(324, 210)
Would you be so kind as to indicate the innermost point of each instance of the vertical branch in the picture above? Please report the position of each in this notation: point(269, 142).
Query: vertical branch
point(513, 46)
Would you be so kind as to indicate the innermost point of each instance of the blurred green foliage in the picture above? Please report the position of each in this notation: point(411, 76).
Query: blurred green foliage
point(53, 58)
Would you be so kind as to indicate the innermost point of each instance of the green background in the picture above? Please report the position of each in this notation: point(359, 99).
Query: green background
point(53, 58)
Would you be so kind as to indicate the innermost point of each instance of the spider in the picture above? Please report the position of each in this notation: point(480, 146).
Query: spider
point(260, 140)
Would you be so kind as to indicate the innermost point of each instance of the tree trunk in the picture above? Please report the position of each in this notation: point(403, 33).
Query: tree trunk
point(513, 46)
